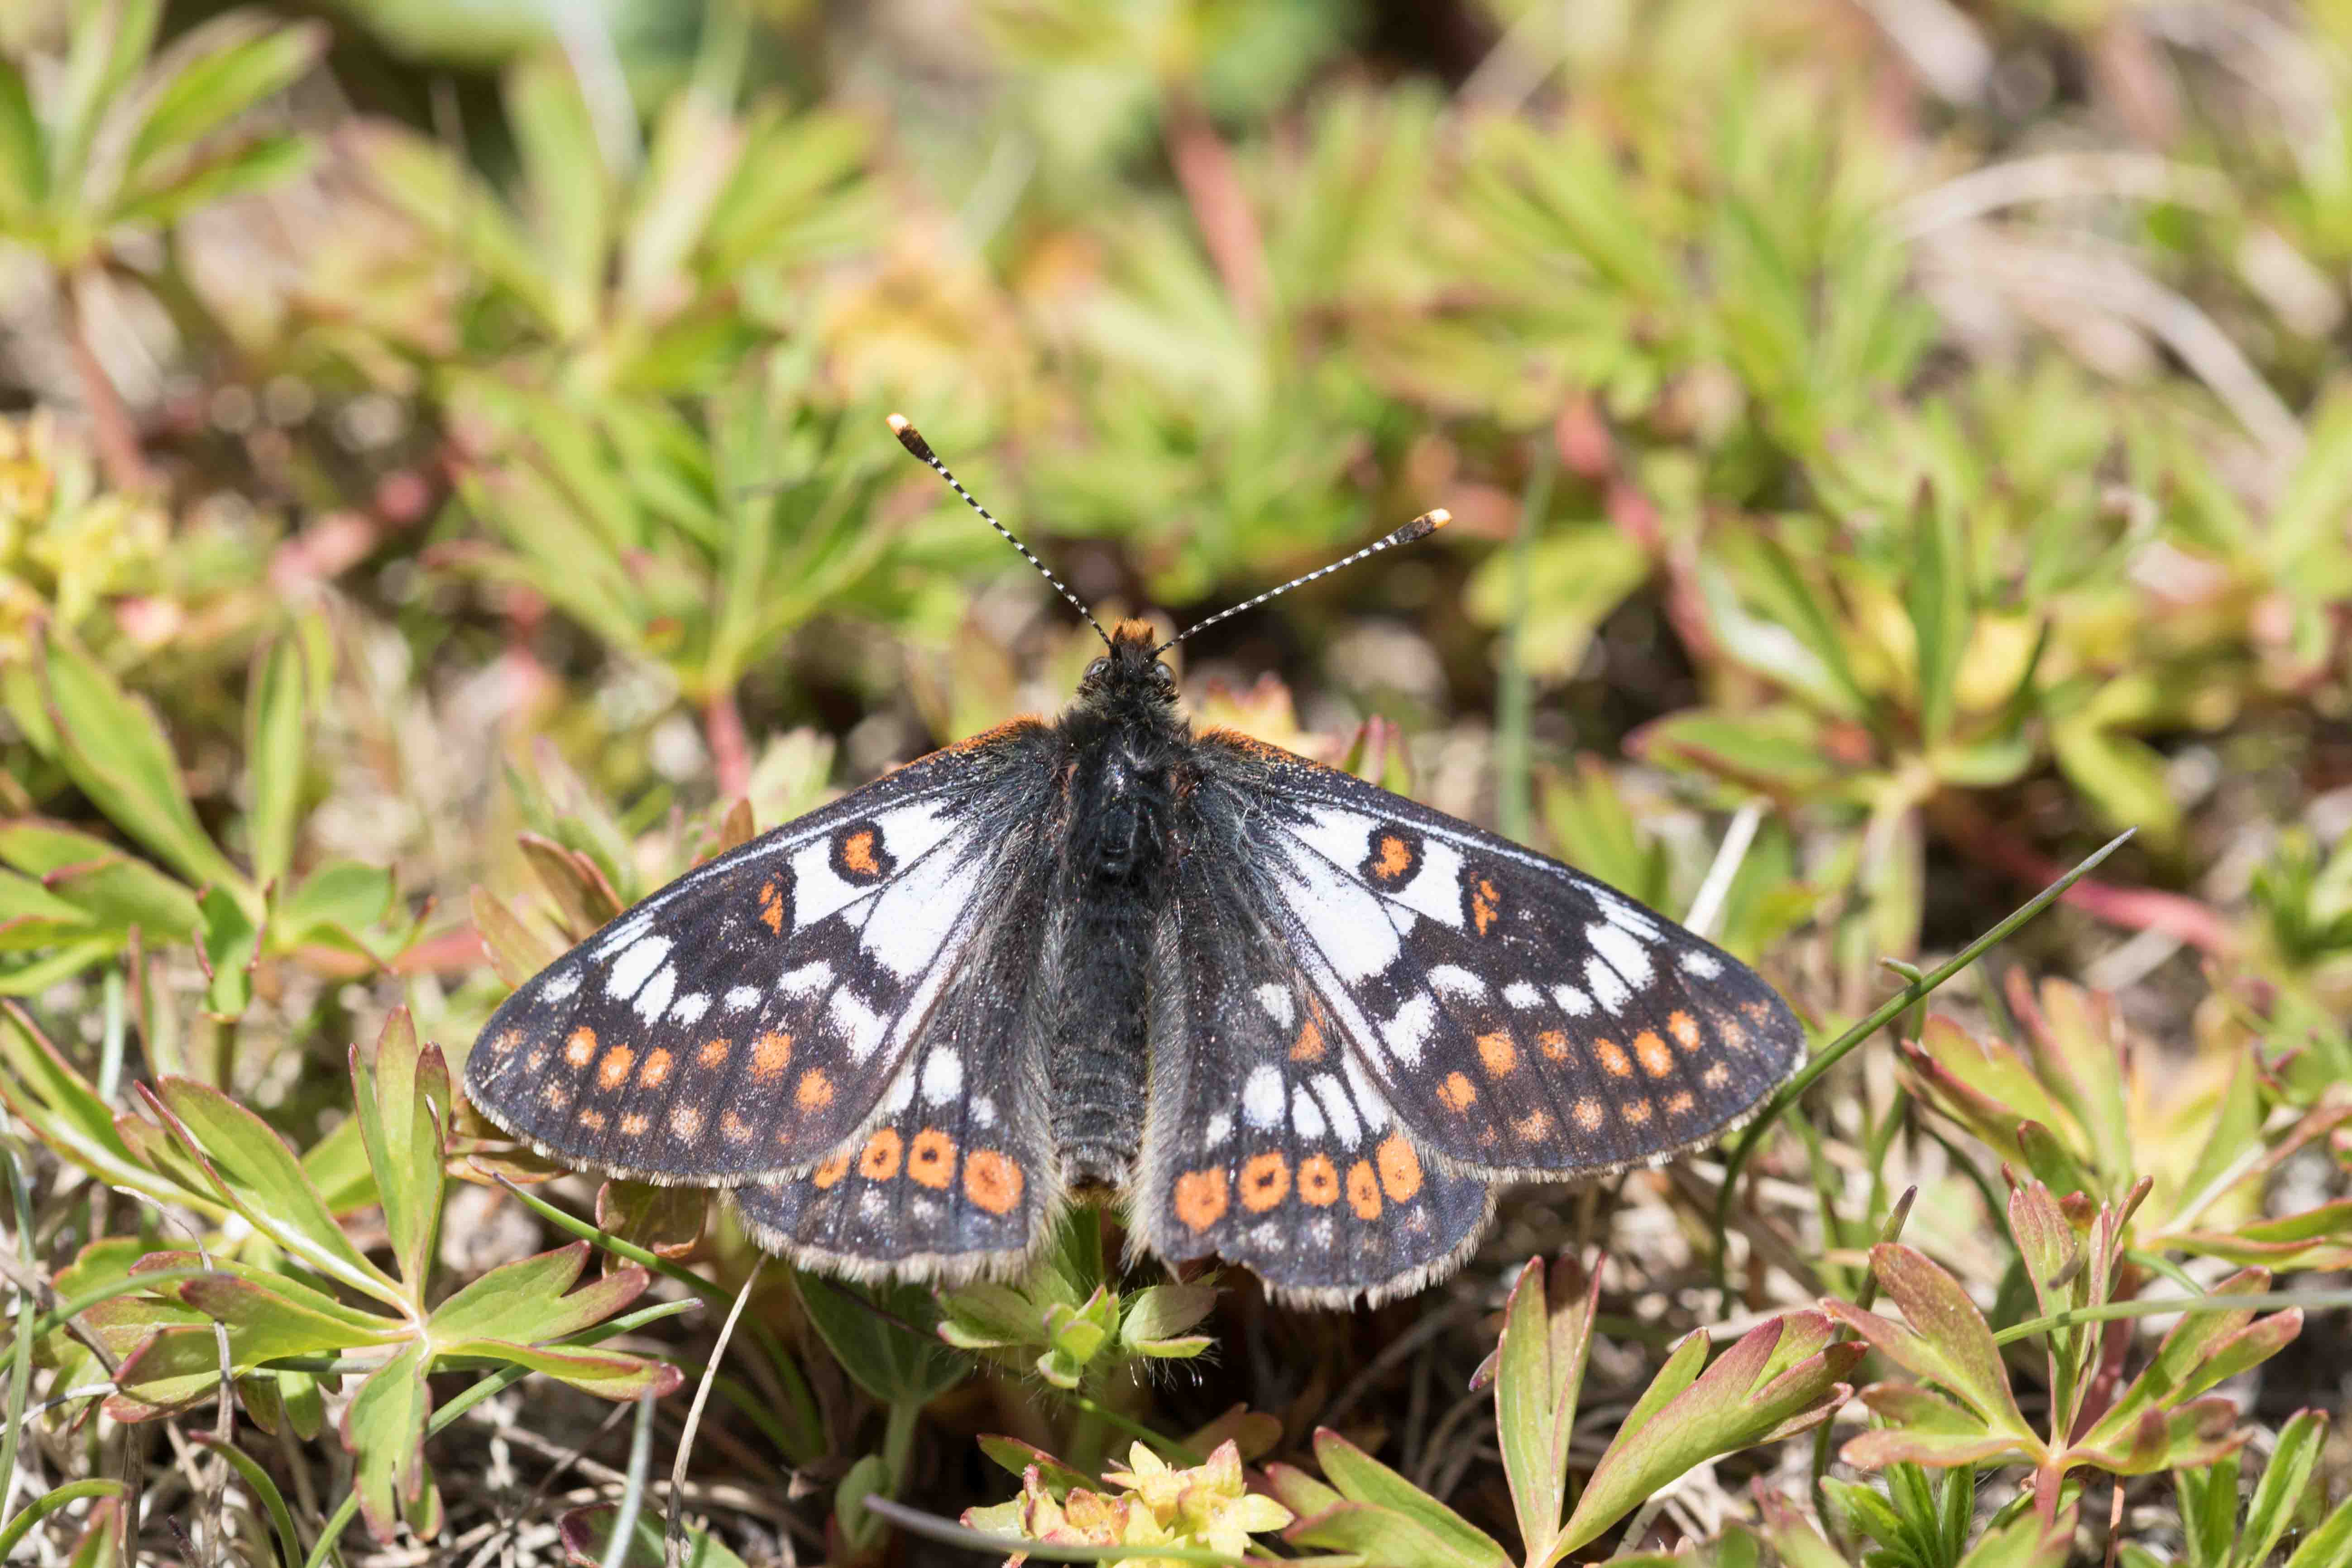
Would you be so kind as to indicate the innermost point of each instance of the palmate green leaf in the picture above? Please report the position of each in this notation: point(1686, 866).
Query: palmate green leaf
point(2076, 1039)
point(384, 1427)
point(588, 1541)
point(525, 1301)
point(48, 1095)
point(1156, 1319)
point(227, 1298)
point(584, 900)
point(247, 1165)
point(2202, 1350)
point(401, 1106)
point(114, 750)
point(1780, 1378)
point(2046, 1242)
point(1923, 1428)
point(183, 1365)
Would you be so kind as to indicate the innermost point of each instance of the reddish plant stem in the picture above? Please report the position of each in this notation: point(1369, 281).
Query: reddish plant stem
point(1212, 186)
point(730, 751)
point(2199, 925)
point(117, 436)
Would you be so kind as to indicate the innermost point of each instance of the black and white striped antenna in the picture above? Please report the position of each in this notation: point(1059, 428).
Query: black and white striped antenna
point(912, 440)
point(1421, 527)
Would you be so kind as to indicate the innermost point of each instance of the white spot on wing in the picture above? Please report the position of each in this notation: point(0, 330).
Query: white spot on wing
point(1305, 1116)
point(1435, 889)
point(1626, 955)
point(861, 1027)
point(1618, 912)
point(914, 915)
point(654, 1000)
point(690, 1009)
point(807, 981)
point(622, 935)
point(1342, 917)
point(1607, 989)
point(901, 1095)
point(561, 986)
point(1341, 837)
point(1452, 980)
point(1340, 1109)
point(742, 998)
point(984, 1111)
point(1220, 1127)
point(942, 1076)
point(1276, 1000)
point(635, 967)
point(1522, 996)
point(1706, 965)
point(1369, 1102)
point(1262, 1097)
point(1572, 1002)
point(1405, 1034)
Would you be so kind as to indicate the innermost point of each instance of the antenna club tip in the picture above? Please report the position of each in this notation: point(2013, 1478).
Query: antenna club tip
point(1439, 518)
point(898, 423)
point(910, 438)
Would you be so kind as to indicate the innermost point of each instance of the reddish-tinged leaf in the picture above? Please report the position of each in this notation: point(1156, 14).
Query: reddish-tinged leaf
point(516, 953)
point(1538, 1369)
point(1943, 1339)
point(1888, 1445)
point(1299, 1492)
point(1020, 1457)
point(2051, 1251)
point(524, 1300)
point(256, 1312)
point(384, 1427)
point(401, 1106)
point(608, 1374)
point(1384, 1538)
point(1363, 1479)
point(584, 900)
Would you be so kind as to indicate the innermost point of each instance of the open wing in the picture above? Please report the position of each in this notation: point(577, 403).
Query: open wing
point(1522, 1019)
point(749, 1018)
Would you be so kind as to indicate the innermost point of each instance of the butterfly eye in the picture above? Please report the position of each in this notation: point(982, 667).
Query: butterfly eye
point(1094, 671)
point(1163, 675)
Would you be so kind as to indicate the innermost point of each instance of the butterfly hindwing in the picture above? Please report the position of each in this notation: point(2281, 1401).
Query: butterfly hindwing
point(1263, 1142)
point(1521, 1018)
point(746, 1019)
point(959, 1176)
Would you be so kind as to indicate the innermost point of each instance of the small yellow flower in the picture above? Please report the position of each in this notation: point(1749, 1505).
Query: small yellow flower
point(1208, 1505)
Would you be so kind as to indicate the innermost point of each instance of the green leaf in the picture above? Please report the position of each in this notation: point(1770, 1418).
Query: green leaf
point(232, 946)
point(1779, 751)
point(1158, 1317)
point(254, 166)
point(884, 1338)
point(43, 1089)
point(860, 1528)
point(2278, 1495)
point(1366, 1483)
point(1779, 1378)
point(1943, 1338)
point(1538, 1372)
point(588, 1540)
point(229, 74)
point(401, 1106)
point(570, 187)
point(335, 902)
point(2024, 1542)
point(525, 1301)
point(1935, 594)
point(248, 1164)
point(384, 1427)
point(517, 952)
point(24, 162)
point(115, 751)
point(607, 1374)
point(277, 740)
point(2330, 1545)
point(115, 890)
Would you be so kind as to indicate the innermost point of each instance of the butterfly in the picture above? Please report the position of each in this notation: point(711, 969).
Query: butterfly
point(1279, 1014)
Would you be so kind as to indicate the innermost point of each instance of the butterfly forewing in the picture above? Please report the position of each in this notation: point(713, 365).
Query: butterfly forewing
point(1265, 1142)
point(746, 1020)
point(959, 1176)
point(1520, 1018)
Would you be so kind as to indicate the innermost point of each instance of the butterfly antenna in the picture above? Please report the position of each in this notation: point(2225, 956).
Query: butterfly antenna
point(1421, 527)
point(912, 440)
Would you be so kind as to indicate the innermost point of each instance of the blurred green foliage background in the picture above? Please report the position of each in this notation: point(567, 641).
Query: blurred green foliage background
point(442, 467)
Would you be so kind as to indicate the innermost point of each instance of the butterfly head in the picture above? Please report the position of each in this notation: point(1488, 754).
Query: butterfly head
point(1131, 672)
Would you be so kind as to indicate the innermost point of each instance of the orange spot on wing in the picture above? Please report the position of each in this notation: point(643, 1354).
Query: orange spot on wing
point(1614, 1057)
point(771, 1054)
point(591, 1119)
point(1498, 1053)
point(1265, 1180)
point(1308, 1047)
point(1636, 1111)
point(634, 1124)
point(1400, 1168)
point(1716, 1075)
point(734, 1128)
point(555, 1096)
point(857, 853)
point(1553, 1044)
point(713, 1053)
point(1396, 859)
point(879, 1160)
point(1728, 1030)
point(581, 1049)
point(1319, 1181)
point(1681, 1103)
point(507, 1040)
point(1485, 906)
point(824, 1178)
point(686, 1122)
point(1656, 1059)
point(614, 1070)
point(1532, 1126)
point(992, 1179)
point(1456, 1093)
point(1588, 1114)
point(771, 907)
point(1683, 1028)
point(989, 737)
point(655, 1070)
point(1201, 1198)
point(931, 1159)
point(815, 1091)
point(1363, 1190)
